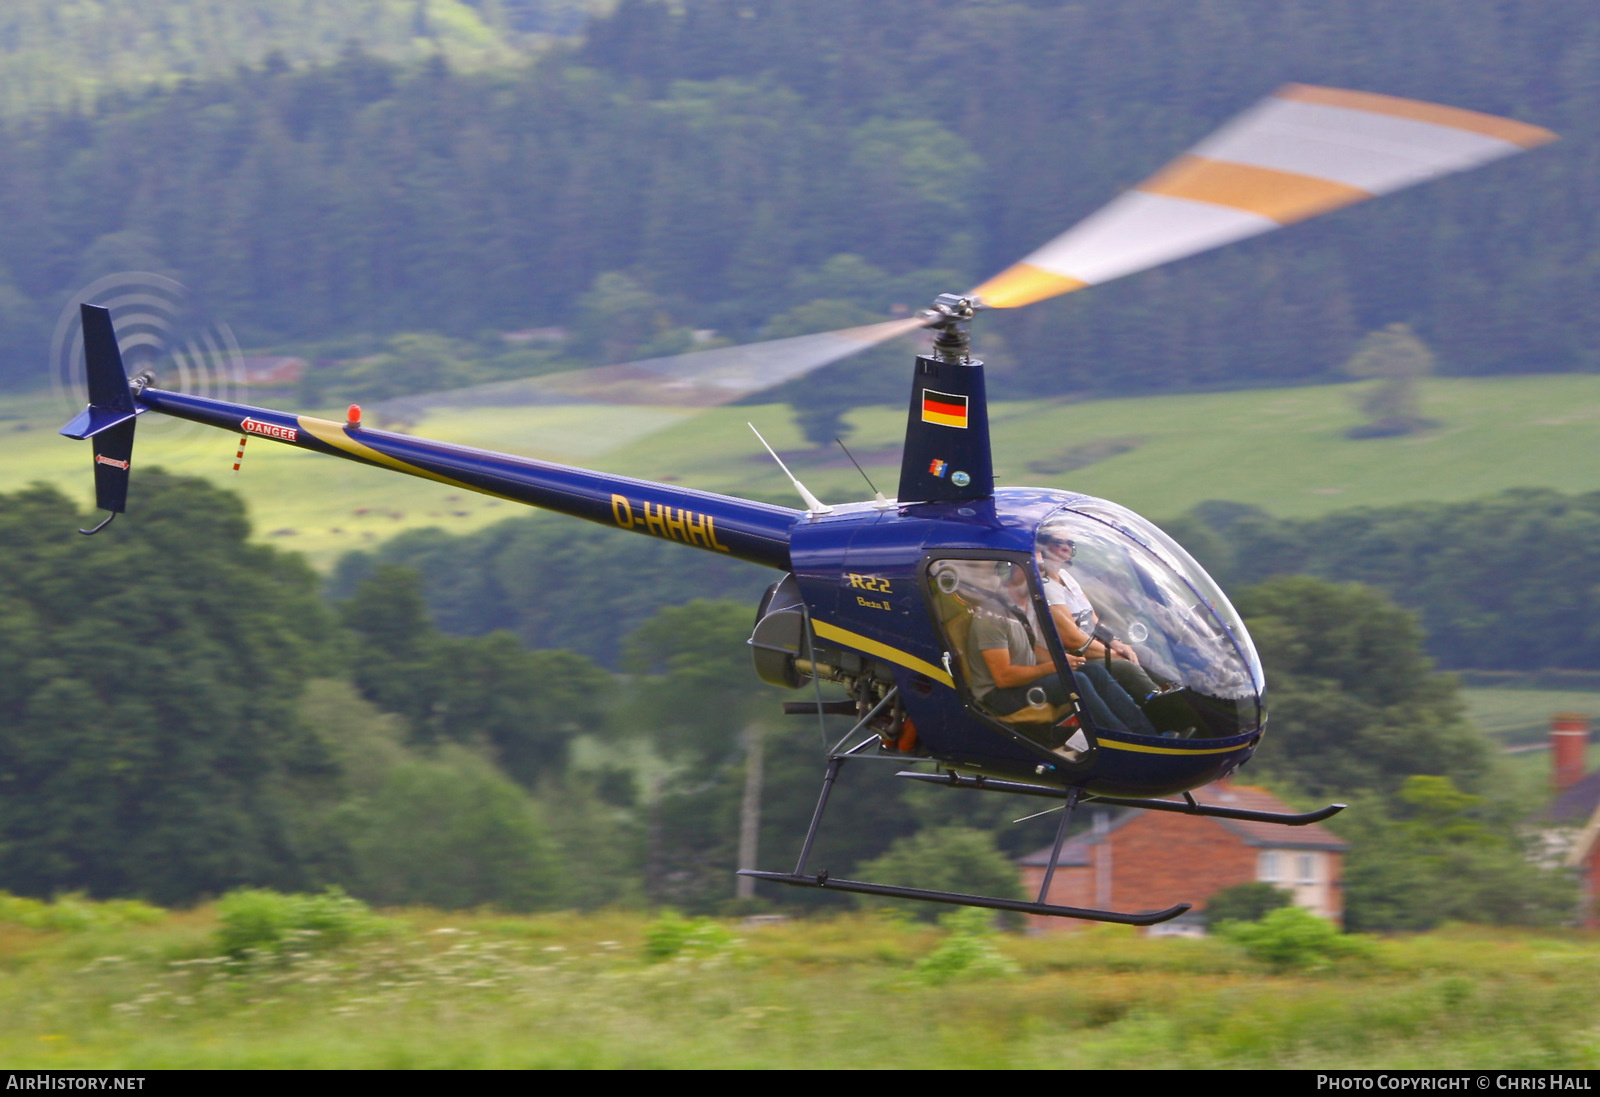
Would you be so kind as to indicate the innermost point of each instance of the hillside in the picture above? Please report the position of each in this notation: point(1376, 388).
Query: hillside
point(61, 53)
point(687, 169)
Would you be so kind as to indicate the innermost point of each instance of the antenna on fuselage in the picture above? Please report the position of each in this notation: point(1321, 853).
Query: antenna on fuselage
point(813, 504)
point(878, 498)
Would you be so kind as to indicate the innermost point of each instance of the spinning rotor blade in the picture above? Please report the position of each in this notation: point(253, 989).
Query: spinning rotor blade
point(699, 379)
point(1301, 151)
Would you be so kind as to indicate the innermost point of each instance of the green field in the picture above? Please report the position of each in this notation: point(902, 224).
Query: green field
point(569, 990)
point(1521, 717)
point(1281, 449)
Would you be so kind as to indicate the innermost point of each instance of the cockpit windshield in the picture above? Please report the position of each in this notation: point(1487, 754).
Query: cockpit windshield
point(1124, 594)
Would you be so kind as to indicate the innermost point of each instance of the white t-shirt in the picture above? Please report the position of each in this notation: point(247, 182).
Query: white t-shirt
point(1061, 589)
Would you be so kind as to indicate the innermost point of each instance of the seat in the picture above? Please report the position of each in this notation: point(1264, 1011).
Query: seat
point(955, 617)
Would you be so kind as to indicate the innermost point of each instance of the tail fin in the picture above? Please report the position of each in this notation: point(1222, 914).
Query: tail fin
point(947, 455)
point(111, 415)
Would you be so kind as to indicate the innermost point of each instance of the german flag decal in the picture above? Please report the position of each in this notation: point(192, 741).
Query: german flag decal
point(944, 409)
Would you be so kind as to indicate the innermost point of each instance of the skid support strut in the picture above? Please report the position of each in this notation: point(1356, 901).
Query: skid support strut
point(799, 877)
point(1061, 836)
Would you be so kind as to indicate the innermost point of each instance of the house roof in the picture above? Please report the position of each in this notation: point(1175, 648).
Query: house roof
point(1078, 851)
point(1276, 835)
point(1575, 805)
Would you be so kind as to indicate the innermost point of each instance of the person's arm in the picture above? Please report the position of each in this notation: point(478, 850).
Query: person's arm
point(1073, 638)
point(1007, 674)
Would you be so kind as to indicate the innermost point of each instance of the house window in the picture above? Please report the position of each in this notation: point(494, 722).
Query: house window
point(1270, 868)
point(1306, 868)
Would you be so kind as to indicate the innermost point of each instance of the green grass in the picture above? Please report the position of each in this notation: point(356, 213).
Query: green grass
point(568, 990)
point(1281, 449)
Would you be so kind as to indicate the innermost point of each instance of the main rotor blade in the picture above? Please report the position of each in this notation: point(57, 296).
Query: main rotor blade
point(699, 379)
point(1301, 151)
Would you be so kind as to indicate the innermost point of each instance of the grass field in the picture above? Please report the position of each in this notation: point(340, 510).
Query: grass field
point(1519, 719)
point(567, 990)
point(1281, 449)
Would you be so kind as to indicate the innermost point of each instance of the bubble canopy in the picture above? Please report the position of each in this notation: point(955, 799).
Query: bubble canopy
point(1117, 583)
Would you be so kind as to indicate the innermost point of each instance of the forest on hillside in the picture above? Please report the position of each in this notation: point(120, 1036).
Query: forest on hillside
point(757, 169)
point(58, 53)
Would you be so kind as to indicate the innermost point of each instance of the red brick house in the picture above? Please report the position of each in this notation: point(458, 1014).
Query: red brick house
point(1570, 826)
point(1147, 860)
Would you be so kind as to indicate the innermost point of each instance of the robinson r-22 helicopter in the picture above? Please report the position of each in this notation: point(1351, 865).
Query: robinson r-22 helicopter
point(1022, 640)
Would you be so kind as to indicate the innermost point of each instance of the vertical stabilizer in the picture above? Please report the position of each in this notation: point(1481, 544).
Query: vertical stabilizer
point(947, 455)
point(111, 415)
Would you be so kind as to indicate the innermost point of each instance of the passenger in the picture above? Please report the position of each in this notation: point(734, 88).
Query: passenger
point(1076, 620)
point(1011, 662)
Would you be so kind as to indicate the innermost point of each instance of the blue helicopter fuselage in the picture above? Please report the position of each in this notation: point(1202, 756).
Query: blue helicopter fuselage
point(863, 573)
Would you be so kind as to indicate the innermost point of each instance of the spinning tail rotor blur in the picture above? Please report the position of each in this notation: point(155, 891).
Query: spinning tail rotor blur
point(158, 330)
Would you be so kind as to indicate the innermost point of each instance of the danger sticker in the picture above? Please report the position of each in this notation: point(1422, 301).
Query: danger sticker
point(102, 459)
point(269, 430)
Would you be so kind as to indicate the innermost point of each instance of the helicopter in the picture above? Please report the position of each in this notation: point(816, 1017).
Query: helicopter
point(1035, 642)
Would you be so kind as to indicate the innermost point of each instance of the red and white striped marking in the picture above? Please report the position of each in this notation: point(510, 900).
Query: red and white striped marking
point(238, 458)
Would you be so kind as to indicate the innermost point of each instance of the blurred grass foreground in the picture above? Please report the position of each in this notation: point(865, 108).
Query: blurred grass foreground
point(263, 980)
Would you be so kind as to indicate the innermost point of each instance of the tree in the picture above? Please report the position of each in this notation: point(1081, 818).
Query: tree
point(1245, 902)
point(957, 859)
point(1503, 583)
point(1354, 703)
point(553, 581)
point(617, 317)
point(1437, 854)
point(694, 688)
point(1357, 714)
point(694, 692)
point(148, 684)
point(1397, 359)
point(450, 832)
point(523, 706)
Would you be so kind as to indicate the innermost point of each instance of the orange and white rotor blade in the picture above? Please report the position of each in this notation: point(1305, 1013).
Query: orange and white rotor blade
point(1301, 151)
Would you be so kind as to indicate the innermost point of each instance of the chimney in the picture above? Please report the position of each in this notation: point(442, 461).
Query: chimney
point(1569, 742)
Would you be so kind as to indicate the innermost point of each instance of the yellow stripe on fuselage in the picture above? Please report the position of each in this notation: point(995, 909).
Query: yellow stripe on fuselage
point(335, 435)
point(882, 651)
point(1139, 748)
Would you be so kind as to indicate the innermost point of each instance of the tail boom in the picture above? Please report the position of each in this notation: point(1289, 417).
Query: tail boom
point(740, 528)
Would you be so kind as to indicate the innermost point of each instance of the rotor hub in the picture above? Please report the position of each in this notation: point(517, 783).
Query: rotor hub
point(948, 316)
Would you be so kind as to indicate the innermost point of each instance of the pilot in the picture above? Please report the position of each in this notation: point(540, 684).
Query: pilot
point(1076, 620)
point(1012, 662)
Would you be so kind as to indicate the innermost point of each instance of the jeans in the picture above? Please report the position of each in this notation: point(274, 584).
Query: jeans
point(1106, 702)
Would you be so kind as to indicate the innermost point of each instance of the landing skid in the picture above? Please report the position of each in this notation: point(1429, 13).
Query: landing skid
point(800, 878)
point(823, 880)
point(1186, 806)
